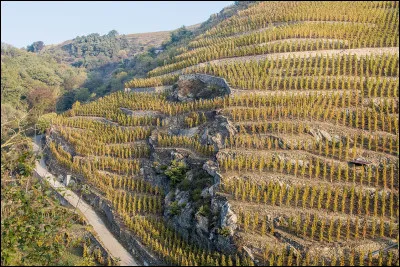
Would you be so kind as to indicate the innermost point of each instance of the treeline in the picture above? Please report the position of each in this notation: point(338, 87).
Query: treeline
point(33, 82)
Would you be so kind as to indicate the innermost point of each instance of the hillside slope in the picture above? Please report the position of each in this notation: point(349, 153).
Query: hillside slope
point(271, 138)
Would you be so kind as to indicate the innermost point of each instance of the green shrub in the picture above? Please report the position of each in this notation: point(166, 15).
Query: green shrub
point(176, 172)
point(175, 208)
point(224, 231)
point(204, 210)
point(164, 167)
point(184, 185)
point(196, 194)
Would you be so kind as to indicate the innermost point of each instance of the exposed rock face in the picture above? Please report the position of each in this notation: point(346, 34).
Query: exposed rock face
point(183, 221)
point(211, 168)
point(198, 86)
point(205, 193)
point(315, 134)
point(220, 205)
point(320, 135)
point(325, 135)
point(217, 131)
point(176, 155)
point(228, 218)
point(201, 224)
point(189, 132)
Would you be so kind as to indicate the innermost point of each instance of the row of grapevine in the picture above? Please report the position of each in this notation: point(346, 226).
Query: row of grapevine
point(347, 200)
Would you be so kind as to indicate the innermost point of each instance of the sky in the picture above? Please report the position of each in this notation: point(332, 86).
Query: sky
point(23, 23)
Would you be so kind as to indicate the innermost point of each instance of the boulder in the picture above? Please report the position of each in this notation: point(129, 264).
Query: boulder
point(190, 175)
point(217, 140)
point(198, 86)
point(336, 139)
point(176, 156)
point(247, 251)
point(315, 133)
point(325, 135)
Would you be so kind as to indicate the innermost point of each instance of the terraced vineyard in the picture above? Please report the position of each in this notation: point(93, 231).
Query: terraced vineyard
point(314, 86)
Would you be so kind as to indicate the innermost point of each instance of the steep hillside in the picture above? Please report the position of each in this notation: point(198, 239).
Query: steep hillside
point(270, 139)
point(143, 41)
point(31, 82)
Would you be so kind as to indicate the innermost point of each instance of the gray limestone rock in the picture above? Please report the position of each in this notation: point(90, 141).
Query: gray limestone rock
point(228, 218)
point(212, 168)
point(248, 252)
point(201, 222)
point(325, 135)
point(205, 193)
point(315, 133)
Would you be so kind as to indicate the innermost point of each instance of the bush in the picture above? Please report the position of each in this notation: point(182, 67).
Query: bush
point(175, 208)
point(184, 185)
point(204, 210)
point(196, 194)
point(224, 231)
point(176, 172)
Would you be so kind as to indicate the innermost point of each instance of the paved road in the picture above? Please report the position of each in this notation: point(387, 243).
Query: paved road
point(106, 237)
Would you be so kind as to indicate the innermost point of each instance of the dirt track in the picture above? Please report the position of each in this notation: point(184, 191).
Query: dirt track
point(106, 237)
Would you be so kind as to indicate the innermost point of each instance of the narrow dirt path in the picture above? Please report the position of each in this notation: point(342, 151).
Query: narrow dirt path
point(105, 236)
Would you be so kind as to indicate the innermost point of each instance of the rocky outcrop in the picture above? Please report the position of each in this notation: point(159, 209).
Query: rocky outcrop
point(201, 224)
point(221, 212)
point(216, 132)
point(325, 135)
point(220, 208)
point(198, 86)
point(211, 167)
point(228, 218)
point(189, 132)
point(320, 135)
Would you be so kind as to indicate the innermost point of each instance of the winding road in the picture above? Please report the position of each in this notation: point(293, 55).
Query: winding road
point(105, 236)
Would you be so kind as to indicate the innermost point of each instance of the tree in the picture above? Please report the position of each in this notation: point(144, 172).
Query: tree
point(82, 94)
point(112, 33)
point(35, 47)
